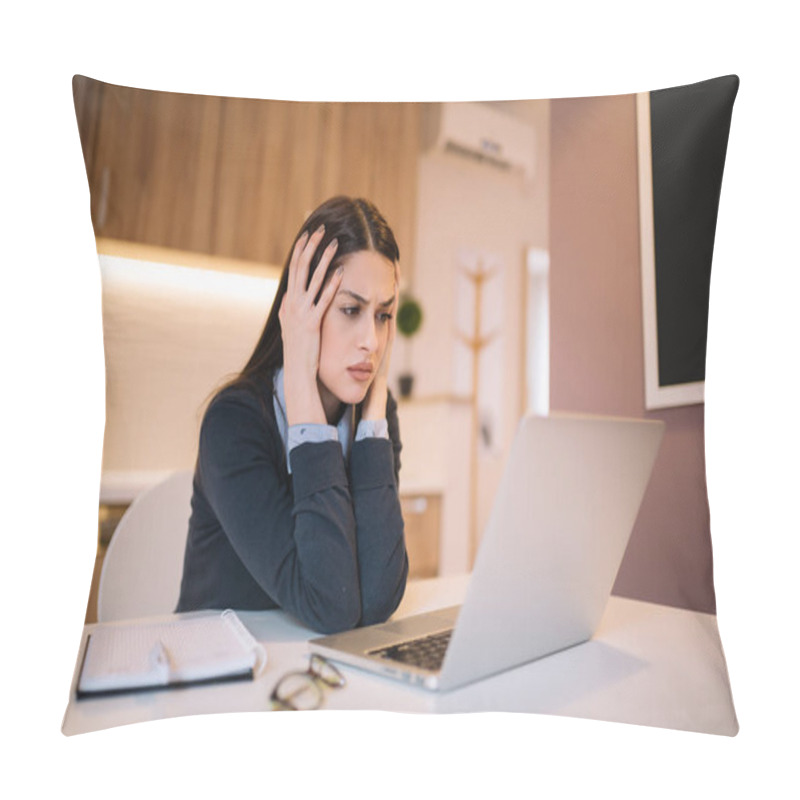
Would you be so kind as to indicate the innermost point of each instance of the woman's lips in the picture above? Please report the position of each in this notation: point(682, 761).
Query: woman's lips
point(361, 372)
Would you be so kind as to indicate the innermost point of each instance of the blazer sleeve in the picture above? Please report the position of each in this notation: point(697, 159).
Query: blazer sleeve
point(382, 557)
point(295, 535)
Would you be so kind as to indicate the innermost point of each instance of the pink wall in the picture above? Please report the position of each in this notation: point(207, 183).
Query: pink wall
point(596, 342)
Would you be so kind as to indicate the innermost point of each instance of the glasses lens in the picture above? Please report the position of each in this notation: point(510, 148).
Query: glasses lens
point(326, 672)
point(298, 691)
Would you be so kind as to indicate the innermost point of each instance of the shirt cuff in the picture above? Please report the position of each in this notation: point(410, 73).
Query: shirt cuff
point(372, 429)
point(310, 432)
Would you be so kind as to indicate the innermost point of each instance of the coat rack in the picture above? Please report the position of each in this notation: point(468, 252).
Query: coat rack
point(476, 343)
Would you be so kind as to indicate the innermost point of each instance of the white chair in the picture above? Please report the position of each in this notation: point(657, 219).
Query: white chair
point(143, 565)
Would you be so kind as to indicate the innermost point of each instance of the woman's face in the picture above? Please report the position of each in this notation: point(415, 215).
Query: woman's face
point(355, 329)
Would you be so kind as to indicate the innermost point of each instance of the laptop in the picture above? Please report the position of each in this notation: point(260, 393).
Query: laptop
point(561, 519)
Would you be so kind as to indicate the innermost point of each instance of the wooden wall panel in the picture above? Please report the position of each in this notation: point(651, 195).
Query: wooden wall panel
point(88, 98)
point(236, 177)
point(268, 163)
point(372, 150)
point(153, 165)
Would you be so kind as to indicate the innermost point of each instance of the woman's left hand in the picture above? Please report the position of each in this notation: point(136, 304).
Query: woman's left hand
point(375, 402)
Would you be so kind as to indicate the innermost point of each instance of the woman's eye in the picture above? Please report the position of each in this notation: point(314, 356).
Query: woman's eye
point(350, 311)
point(384, 317)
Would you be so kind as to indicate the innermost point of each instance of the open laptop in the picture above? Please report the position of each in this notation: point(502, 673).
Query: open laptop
point(561, 520)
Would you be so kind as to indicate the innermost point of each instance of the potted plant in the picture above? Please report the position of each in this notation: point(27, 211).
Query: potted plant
point(409, 320)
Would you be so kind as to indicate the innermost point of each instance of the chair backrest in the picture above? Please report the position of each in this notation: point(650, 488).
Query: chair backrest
point(142, 568)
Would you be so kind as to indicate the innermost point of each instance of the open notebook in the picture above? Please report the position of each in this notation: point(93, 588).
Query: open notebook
point(136, 656)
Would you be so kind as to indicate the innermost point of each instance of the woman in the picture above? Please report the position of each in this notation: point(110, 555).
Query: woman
point(295, 499)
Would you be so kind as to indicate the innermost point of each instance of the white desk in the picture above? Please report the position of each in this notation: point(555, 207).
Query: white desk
point(647, 665)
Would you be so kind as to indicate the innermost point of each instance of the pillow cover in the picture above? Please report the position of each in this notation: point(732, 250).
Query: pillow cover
point(577, 232)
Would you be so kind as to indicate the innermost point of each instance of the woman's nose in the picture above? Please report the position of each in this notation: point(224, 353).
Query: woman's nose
point(369, 335)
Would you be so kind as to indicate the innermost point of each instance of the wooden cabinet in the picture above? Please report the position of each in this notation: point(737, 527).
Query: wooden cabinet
point(422, 519)
point(236, 177)
point(151, 163)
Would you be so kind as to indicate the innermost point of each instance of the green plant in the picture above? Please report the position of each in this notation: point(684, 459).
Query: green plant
point(409, 316)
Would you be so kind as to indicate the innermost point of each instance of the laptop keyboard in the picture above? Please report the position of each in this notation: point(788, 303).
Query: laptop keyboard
point(426, 652)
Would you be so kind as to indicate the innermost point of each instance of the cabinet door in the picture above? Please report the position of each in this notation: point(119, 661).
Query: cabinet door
point(421, 517)
point(372, 150)
point(279, 160)
point(270, 159)
point(236, 177)
point(151, 162)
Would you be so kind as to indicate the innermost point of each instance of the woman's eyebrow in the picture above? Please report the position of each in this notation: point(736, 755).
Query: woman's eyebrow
point(363, 300)
point(357, 297)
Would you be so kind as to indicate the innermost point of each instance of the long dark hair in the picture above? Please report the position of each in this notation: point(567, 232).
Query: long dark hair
point(357, 225)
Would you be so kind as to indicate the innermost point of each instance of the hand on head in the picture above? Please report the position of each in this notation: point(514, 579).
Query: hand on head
point(301, 321)
point(375, 401)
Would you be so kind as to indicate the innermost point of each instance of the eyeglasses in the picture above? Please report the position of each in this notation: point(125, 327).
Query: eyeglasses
point(303, 691)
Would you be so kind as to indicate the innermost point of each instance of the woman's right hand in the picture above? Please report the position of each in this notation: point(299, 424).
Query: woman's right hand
point(301, 322)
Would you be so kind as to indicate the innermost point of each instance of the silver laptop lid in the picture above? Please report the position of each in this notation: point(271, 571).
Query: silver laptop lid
point(559, 526)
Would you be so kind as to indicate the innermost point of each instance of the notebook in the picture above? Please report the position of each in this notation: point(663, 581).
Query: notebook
point(136, 656)
point(547, 561)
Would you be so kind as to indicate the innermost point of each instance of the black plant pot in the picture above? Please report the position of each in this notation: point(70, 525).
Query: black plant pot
point(406, 385)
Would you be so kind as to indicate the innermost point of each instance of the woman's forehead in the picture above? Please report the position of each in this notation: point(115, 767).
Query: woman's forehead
point(368, 272)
